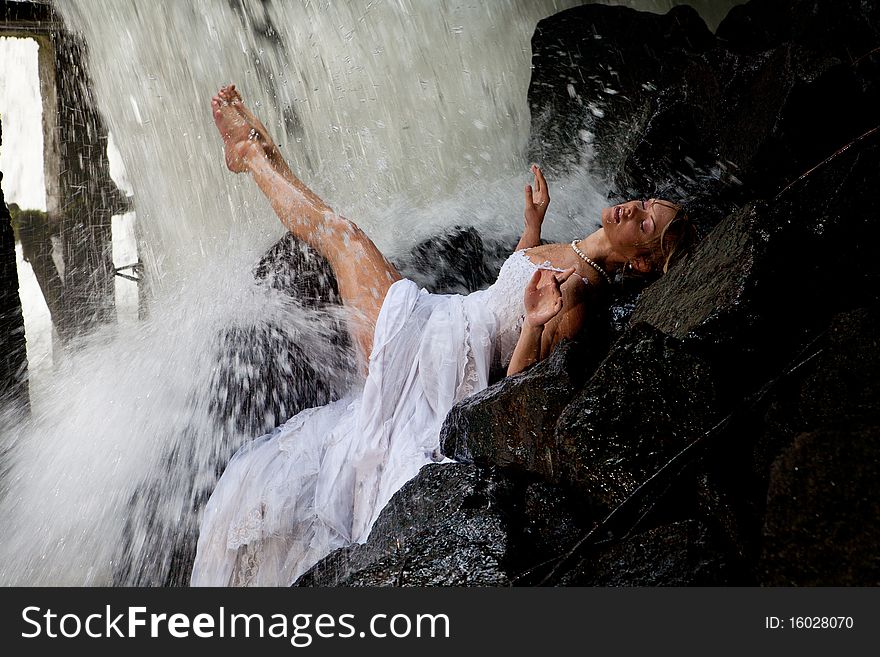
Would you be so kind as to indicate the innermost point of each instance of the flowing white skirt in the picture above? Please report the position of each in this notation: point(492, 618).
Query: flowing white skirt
point(319, 481)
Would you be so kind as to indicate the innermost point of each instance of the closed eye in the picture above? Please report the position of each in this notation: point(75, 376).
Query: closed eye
point(647, 225)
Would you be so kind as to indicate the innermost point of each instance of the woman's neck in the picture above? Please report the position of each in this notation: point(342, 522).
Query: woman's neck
point(598, 248)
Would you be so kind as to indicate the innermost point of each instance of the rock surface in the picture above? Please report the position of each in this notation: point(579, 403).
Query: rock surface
point(823, 502)
point(426, 536)
point(678, 554)
point(456, 525)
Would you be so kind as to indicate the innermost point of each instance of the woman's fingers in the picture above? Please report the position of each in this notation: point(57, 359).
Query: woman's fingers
point(533, 282)
point(541, 195)
point(563, 276)
point(530, 201)
point(540, 182)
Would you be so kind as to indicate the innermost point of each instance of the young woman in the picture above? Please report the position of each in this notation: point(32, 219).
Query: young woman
point(319, 481)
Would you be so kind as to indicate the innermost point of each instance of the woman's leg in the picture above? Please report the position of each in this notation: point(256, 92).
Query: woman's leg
point(363, 274)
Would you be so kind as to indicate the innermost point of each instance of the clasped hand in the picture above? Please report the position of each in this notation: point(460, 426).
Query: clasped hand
point(543, 294)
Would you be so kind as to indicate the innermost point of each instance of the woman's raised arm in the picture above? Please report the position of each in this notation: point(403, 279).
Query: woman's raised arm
point(537, 200)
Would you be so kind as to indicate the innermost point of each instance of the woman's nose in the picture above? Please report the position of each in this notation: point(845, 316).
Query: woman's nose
point(634, 210)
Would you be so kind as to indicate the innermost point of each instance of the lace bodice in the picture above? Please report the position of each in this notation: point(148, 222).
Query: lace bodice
point(504, 298)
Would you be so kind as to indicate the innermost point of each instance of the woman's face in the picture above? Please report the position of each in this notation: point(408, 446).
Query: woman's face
point(631, 226)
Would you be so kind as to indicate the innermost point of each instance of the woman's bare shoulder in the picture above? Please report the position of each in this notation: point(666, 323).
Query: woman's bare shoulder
point(544, 252)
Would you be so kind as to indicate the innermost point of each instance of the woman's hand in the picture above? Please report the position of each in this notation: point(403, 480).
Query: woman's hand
point(543, 296)
point(537, 200)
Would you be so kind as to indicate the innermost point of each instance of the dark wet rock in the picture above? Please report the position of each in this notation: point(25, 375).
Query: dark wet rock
point(592, 81)
point(291, 266)
point(781, 271)
point(846, 380)
point(743, 126)
point(648, 399)
point(845, 28)
point(458, 525)
point(264, 376)
point(822, 507)
point(441, 528)
point(645, 402)
point(455, 262)
point(833, 386)
point(842, 384)
point(767, 279)
point(511, 423)
point(679, 554)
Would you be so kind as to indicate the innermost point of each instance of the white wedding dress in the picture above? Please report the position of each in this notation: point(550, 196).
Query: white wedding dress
point(319, 481)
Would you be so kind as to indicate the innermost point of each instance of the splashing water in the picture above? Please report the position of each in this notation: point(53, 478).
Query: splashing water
point(407, 117)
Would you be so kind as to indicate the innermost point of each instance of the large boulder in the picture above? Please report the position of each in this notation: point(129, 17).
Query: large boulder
point(766, 280)
point(840, 384)
point(647, 401)
point(816, 458)
point(593, 83)
point(847, 29)
point(439, 529)
point(457, 261)
point(456, 525)
point(682, 553)
point(266, 374)
point(512, 422)
point(823, 502)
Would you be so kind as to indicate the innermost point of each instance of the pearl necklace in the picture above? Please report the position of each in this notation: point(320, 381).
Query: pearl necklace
point(592, 263)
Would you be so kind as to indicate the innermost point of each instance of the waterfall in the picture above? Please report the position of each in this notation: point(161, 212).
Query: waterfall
point(408, 117)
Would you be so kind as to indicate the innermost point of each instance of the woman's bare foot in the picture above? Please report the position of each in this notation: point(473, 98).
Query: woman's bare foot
point(234, 99)
point(244, 137)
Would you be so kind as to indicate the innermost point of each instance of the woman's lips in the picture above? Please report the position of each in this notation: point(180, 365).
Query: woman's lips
point(617, 214)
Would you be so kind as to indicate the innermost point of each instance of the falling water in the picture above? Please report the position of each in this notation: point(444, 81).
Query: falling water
point(406, 116)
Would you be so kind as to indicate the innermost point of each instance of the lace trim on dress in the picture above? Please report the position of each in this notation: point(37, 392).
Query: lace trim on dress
point(468, 372)
point(247, 530)
point(247, 565)
point(505, 302)
point(549, 266)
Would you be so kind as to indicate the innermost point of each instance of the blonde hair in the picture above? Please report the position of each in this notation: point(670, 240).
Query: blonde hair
point(674, 240)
